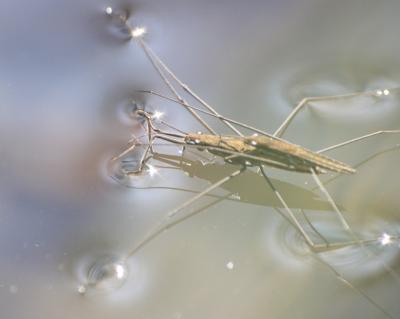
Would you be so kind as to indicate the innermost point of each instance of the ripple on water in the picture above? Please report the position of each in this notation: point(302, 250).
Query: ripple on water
point(126, 171)
point(111, 276)
point(102, 274)
point(126, 110)
point(377, 256)
point(286, 245)
point(379, 253)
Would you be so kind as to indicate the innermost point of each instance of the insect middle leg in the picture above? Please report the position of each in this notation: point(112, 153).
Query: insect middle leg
point(304, 102)
point(295, 221)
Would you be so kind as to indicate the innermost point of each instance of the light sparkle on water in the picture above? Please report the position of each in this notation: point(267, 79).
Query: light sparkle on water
point(138, 32)
point(120, 271)
point(382, 92)
point(81, 289)
point(158, 115)
point(109, 10)
point(151, 170)
point(385, 239)
point(230, 265)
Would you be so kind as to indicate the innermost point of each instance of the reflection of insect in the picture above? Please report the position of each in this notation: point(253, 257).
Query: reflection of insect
point(258, 150)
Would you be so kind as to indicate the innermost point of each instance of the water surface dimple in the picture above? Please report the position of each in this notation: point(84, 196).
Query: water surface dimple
point(103, 274)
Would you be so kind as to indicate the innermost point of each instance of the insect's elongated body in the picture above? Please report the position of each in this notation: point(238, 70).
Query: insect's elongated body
point(269, 151)
point(254, 150)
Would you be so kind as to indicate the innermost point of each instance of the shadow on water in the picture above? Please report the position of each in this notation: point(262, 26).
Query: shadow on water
point(258, 194)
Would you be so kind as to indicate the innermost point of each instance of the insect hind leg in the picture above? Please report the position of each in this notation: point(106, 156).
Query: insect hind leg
point(295, 222)
point(292, 217)
point(358, 139)
point(318, 248)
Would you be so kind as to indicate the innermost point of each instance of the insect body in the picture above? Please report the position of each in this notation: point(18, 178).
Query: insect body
point(269, 151)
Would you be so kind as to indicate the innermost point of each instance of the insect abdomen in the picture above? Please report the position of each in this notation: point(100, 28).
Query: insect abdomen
point(268, 151)
point(296, 155)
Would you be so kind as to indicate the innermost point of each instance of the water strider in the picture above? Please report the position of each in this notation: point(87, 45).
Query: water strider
point(258, 149)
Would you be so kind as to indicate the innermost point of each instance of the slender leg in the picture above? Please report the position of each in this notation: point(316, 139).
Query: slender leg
point(352, 286)
point(176, 210)
point(313, 227)
point(357, 139)
point(346, 226)
point(321, 248)
point(173, 127)
point(169, 85)
point(326, 182)
point(126, 151)
point(144, 158)
point(282, 128)
point(292, 216)
point(164, 223)
point(220, 117)
point(134, 140)
point(296, 223)
point(331, 201)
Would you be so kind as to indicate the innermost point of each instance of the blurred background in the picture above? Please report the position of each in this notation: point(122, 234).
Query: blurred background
point(67, 76)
